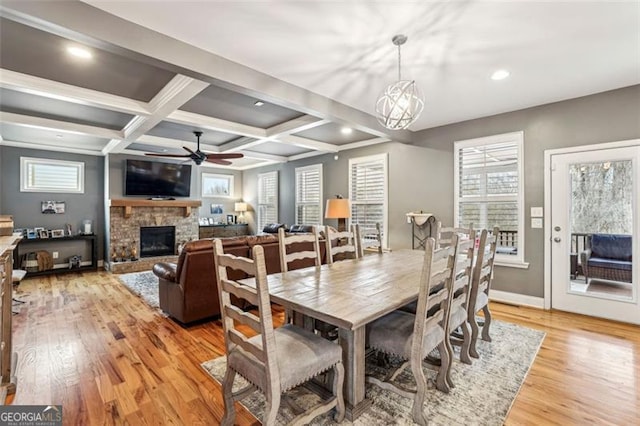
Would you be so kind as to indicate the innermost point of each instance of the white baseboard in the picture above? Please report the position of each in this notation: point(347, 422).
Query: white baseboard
point(516, 299)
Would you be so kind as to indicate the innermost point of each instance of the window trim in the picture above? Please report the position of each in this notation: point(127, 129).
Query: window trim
point(261, 176)
point(320, 198)
point(26, 162)
point(384, 158)
point(517, 137)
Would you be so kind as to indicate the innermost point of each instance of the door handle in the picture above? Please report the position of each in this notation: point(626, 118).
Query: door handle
point(556, 239)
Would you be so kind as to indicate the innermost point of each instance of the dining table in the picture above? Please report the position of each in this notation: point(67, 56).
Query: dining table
point(349, 295)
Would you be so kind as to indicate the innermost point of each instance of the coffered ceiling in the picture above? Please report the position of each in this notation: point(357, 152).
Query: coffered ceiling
point(161, 69)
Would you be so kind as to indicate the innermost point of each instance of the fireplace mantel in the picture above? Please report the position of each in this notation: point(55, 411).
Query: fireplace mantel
point(128, 204)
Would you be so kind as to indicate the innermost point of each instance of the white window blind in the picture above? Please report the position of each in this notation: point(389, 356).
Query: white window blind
point(489, 189)
point(46, 175)
point(267, 199)
point(368, 182)
point(309, 195)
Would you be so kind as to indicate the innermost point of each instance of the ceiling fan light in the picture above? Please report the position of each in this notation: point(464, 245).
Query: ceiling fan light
point(399, 105)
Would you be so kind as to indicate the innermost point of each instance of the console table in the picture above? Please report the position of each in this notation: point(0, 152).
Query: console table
point(50, 244)
point(220, 231)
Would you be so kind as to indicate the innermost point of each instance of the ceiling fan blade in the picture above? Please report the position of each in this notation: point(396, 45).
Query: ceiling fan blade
point(167, 155)
point(191, 151)
point(216, 161)
point(223, 155)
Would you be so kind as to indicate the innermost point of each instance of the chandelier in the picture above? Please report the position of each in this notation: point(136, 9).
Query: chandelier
point(401, 103)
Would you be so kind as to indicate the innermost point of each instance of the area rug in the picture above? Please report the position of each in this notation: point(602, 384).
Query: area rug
point(483, 394)
point(143, 284)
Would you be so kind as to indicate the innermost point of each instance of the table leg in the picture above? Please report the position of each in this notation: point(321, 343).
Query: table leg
point(353, 354)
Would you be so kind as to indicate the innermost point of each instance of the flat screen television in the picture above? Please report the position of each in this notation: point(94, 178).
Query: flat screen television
point(157, 179)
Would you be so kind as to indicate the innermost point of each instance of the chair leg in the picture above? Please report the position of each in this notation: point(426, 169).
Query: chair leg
point(227, 395)
point(338, 384)
point(447, 343)
point(417, 411)
point(466, 342)
point(445, 359)
point(273, 405)
point(487, 323)
point(475, 331)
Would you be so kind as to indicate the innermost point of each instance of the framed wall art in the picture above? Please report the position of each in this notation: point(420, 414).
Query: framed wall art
point(53, 207)
point(217, 186)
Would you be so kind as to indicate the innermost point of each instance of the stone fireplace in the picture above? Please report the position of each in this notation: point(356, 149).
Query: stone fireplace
point(157, 240)
point(169, 223)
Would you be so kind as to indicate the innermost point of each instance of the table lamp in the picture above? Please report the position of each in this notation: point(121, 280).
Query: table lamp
point(338, 208)
point(241, 207)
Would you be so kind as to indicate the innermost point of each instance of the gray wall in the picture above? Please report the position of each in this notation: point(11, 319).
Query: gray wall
point(116, 183)
point(415, 183)
point(605, 117)
point(25, 206)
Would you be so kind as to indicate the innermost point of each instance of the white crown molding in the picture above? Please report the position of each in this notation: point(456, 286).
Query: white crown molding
point(65, 92)
point(58, 126)
point(360, 144)
point(306, 155)
point(262, 156)
point(27, 145)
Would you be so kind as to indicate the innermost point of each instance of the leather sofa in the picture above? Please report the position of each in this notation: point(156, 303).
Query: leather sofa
point(188, 289)
point(609, 258)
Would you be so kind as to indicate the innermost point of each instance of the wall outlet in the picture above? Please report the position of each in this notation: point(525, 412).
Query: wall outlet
point(55, 254)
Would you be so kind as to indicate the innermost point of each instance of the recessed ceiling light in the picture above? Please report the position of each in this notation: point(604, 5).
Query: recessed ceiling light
point(500, 75)
point(258, 103)
point(79, 52)
point(346, 130)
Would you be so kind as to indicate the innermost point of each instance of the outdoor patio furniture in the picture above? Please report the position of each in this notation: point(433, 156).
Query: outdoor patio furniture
point(609, 258)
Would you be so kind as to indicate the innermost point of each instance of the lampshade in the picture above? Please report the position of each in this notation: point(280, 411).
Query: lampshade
point(240, 207)
point(337, 208)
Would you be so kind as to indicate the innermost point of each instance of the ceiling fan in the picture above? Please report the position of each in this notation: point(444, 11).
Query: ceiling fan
point(198, 156)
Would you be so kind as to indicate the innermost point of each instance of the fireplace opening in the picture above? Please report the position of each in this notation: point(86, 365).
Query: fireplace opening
point(157, 240)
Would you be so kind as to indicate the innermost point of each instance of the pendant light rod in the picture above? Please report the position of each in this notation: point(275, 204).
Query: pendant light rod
point(399, 40)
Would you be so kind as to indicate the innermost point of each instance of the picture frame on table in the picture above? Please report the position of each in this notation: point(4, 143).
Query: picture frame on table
point(31, 234)
point(230, 219)
point(57, 233)
point(43, 233)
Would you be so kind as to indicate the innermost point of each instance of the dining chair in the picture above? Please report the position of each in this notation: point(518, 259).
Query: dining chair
point(273, 361)
point(368, 238)
point(287, 241)
point(411, 337)
point(459, 302)
point(341, 243)
point(444, 233)
point(480, 286)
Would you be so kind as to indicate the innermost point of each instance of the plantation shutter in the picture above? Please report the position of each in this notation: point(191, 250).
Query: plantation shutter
point(488, 189)
point(368, 192)
point(309, 195)
point(267, 199)
point(52, 175)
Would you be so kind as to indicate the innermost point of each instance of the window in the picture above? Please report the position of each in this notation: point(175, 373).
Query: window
point(44, 175)
point(267, 199)
point(309, 195)
point(489, 190)
point(368, 192)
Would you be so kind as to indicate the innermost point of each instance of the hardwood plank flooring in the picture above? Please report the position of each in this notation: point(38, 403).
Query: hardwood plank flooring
point(84, 341)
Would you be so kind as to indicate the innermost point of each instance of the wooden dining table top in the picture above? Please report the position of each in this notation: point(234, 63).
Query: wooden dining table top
point(350, 293)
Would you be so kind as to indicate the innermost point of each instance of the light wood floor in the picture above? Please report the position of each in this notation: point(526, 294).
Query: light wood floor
point(85, 342)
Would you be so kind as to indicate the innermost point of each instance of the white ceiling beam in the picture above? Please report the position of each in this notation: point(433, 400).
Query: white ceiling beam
point(296, 125)
point(176, 93)
point(58, 126)
point(307, 143)
point(262, 156)
point(360, 144)
point(114, 146)
point(175, 143)
point(216, 124)
point(65, 92)
point(306, 155)
point(240, 144)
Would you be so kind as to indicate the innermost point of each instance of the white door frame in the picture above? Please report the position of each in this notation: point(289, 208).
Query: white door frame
point(547, 201)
